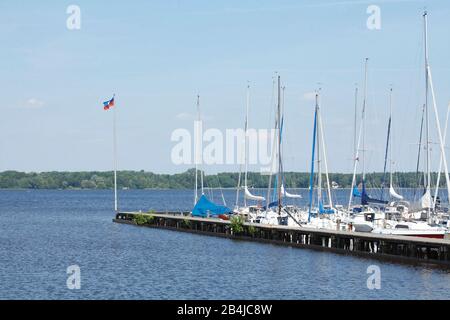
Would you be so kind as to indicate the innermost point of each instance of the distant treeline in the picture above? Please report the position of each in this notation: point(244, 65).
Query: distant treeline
point(185, 180)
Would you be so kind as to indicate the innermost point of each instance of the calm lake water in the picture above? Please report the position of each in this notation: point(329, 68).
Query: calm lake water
point(43, 232)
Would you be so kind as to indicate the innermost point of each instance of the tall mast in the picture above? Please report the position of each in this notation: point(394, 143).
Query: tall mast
point(201, 151)
point(355, 121)
point(324, 156)
point(427, 120)
point(279, 178)
point(436, 114)
point(283, 88)
point(390, 139)
point(419, 151)
point(438, 182)
point(311, 176)
point(387, 153)
point(319, 164)
point(361, 129)
point(364, 121)
point(272, 162)
point(245, 143)
point(115, 157)
point(197, 152)
point(243, 160)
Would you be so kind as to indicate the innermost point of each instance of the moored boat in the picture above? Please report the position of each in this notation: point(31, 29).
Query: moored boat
point(414, 229)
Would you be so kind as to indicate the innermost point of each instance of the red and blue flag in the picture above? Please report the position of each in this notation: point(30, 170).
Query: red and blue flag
point(108, 104)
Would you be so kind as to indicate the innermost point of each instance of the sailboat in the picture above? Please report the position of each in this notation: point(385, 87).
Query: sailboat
point(249, 212)
point(392, 191)
point(442, 216)
point(423, 227)
point(203, 207)
point(426, 208)
point(397, 206)
point(317, 150)
point(272, 213)
point(275, 212)
point(289, 195)
point(319, 215)
point(278, 212)
point(363, 217)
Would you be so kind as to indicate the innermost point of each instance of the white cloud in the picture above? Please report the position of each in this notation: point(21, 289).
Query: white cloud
point(34, 103)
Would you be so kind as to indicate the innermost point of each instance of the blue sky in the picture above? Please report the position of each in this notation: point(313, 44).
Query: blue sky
point(157, 55)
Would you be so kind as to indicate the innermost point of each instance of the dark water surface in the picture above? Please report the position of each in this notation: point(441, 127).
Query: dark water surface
point(44, 232)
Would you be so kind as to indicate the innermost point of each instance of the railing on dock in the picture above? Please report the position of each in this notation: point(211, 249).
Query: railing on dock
point(410, 249)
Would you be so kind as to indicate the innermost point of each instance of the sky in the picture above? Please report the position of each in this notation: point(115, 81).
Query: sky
point(156, 56)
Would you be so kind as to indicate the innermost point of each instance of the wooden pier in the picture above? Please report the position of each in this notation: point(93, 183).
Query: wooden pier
point(395, 248)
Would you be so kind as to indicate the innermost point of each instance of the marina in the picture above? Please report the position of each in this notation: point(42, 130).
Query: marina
point(387, 214)
point(225, 156)
point(385, 226)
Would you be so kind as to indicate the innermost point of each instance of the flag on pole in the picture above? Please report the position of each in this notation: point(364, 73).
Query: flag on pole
point(108, 104)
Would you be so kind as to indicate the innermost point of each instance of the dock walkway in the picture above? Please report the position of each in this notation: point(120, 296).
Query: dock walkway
point(407, 249)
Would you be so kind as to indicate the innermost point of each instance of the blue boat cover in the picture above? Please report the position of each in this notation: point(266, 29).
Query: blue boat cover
point(205, 207)
point(322, 210)
point(365, 199)
point(271, 205)
point(356, 192)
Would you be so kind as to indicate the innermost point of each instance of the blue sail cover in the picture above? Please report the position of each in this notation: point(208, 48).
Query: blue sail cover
point(205, 207)
point(365, 199)
point(356, 192)
point(271, 205)
point(322, 210)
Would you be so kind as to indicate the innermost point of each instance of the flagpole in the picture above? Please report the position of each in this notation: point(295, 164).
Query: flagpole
point(115, 158)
